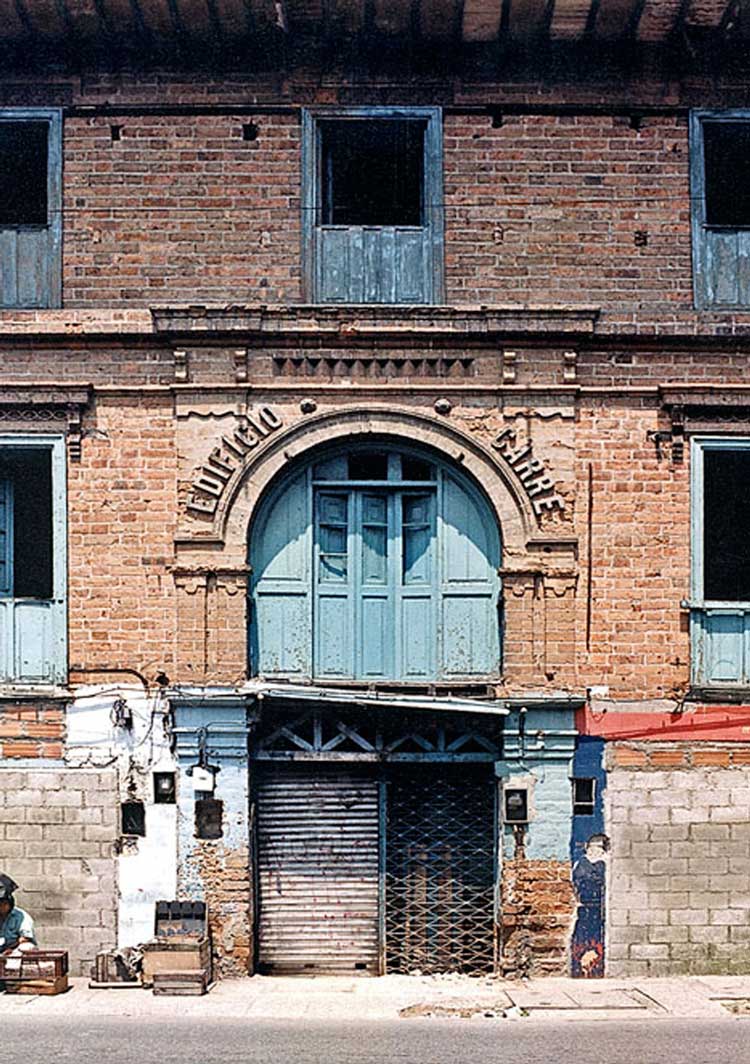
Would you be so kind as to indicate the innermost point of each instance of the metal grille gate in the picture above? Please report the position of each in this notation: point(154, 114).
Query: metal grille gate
point(440, 869)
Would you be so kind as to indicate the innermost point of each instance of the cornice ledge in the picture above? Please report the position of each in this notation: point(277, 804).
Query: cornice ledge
point(348, 322)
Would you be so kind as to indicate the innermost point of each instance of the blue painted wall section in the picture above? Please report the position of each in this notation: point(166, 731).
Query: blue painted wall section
point(537, 905)
point(587, 954)
point(216, 870)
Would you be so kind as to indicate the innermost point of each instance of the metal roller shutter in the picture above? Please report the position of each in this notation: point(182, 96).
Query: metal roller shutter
point(317, 838)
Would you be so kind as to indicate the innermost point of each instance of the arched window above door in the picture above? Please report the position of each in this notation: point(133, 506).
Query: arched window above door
point(376, 563)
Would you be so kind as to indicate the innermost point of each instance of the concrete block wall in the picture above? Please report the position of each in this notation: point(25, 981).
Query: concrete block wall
point(57, 833)
point(679, 887)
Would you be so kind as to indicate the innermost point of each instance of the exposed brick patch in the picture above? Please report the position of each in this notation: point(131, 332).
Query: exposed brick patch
point(226, 879)
point(31, 729)
point(538, 908)
point(676, 755)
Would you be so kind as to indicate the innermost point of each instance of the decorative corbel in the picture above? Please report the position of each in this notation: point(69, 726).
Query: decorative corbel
point(75, 431)
point(570, 367)
point(181, 372)
point(240, 365)
point(509, 367)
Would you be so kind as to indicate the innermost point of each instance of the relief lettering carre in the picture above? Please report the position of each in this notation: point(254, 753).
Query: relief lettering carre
point(228, 456)
point(530, 471)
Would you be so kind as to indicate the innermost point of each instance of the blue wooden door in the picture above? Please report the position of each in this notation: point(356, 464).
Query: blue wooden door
point(375, 585)
point(388, 579)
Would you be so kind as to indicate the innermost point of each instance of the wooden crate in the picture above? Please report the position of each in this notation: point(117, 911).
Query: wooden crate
point(176, 953)
point(56, 985)
point(188, 983)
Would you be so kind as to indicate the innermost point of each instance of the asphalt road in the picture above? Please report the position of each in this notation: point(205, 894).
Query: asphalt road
point(112, 1041)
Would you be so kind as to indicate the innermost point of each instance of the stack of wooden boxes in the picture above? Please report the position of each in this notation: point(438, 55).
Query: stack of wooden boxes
point(178, 959)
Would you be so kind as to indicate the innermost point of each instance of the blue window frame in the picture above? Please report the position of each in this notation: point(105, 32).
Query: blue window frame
point(720, 208)
point(372, 205)
point(30, 207)
point(33, 567)
point(378, 564)
point(720, 594)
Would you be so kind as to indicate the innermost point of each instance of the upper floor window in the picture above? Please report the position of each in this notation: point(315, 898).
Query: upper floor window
point(720, 195)
point(30, 208)
point(375, 564)
point(720, 615)
point(32, 560)
point(372, 205)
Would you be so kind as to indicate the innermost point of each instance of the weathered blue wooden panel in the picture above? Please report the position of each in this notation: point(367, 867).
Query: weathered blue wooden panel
point(8, 268)
point(373, 265)
point(412, 266)
point(281, 549)
point(6, 538)
point(721, 266)
point(418, 636)
point(470, 584)
point(333, 636)
point(32, 641)
point(375, 632)
point(720, 638)
point(35, 635)
point(469, 627)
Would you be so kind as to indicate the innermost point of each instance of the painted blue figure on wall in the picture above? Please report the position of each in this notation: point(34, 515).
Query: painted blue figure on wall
point(588, 855)
point(589, 883)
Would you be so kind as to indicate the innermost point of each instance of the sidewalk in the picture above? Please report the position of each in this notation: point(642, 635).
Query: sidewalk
point(393, 997)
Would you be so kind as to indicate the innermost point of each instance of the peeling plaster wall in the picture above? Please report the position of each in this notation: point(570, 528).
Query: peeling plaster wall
point(536, 893)
point(146, 866)
point(218, 871)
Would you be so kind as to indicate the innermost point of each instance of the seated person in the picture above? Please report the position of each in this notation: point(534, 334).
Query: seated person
point(16, 926)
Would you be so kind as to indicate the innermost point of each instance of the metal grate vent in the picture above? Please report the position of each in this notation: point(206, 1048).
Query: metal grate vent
point(440, 865)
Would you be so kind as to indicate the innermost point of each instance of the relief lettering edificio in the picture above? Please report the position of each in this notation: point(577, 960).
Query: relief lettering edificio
point(228, 456)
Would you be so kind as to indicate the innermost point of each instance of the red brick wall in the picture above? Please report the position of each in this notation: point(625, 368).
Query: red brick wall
point(31, 729)
point(181, 209)
point(640, 552)
point(122, 512)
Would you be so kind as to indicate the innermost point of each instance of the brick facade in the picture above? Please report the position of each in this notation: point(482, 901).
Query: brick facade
point(569, 339)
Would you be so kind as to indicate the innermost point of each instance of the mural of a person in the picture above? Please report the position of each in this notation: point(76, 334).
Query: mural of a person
point(589, 883)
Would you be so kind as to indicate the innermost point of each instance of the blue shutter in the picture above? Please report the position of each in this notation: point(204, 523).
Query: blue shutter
point(280, 559)
point(469, 618)
point(374, 621)
point(6, 538)
point(334, 579)
point(418, 586)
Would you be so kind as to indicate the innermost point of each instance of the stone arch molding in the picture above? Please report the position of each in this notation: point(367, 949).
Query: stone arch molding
point(223, 521)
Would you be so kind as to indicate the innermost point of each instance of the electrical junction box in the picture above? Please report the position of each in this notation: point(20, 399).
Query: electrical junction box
point(516, 805)
point(203, 779)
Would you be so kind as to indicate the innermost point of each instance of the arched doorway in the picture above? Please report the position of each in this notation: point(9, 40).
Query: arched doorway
point(375, 562)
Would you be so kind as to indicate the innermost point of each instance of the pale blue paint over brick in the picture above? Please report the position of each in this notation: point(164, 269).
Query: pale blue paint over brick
point(543, 748)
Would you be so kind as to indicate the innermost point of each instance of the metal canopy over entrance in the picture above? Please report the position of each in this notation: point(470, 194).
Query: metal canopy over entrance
point(375, 839)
